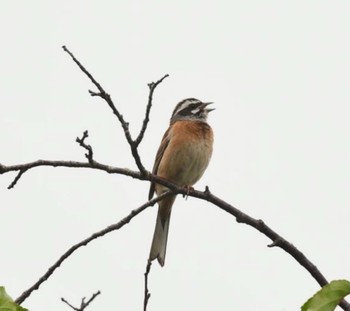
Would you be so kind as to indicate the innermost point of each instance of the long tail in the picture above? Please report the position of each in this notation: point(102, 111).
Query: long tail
point(160, 236)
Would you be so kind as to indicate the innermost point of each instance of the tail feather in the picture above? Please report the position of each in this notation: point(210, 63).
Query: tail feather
point(160, 236)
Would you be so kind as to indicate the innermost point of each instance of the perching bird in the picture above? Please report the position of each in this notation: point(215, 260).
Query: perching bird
point(182, 158)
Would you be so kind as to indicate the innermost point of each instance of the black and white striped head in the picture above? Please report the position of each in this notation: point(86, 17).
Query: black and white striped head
point(191, 109)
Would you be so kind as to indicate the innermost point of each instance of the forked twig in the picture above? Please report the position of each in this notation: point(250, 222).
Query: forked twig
point(81, 142)
point(83, 304)
point(125, 125)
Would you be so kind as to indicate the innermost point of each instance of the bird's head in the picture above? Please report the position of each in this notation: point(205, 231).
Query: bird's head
point(191, 109)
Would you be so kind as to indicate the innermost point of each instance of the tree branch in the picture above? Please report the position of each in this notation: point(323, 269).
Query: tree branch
point(147, 294)
point(83, 304)
point(277, 240)
point(152, 86)
point(22, 168)
point(125, 125)
point(81, 142)
point(94, 236)
point(19, 175)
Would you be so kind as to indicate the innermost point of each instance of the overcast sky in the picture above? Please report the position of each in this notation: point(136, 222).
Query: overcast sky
point(278, 72)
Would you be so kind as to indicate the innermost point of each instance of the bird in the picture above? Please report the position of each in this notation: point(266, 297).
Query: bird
point(183, 156)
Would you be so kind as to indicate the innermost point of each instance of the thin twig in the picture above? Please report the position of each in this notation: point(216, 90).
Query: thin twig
point(82, 68)
point(82, 143)
point(19, 175)
point(95, 165)
point(152, 86)
point(22, 168)
point(83, 304)
point(67, 303)
point(147, 294)
point(125, 125)
point(103, 94)
point(94, 236)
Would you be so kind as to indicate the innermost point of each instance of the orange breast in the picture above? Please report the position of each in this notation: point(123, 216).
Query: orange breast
point(187, 154)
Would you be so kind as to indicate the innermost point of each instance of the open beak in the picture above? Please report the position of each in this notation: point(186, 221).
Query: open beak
point(204, 105)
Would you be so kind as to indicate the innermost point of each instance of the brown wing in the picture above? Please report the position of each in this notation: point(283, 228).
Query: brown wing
point(163, 145)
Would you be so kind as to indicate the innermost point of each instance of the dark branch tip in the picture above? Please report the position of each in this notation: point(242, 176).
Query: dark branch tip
point(207, 191)
point(273, 244)
point(92, 93)
point(277, 242)
point(16, 179)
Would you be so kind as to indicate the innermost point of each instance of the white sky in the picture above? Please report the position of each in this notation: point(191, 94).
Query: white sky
point(278, 72)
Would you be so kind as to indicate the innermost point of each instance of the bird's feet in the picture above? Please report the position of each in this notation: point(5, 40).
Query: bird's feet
point(187, 189)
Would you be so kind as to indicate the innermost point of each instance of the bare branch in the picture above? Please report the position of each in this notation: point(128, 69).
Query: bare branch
point(94, 165)
point(67, 303)
point(104, 95)
point(147, 293)
point(125, 125)
point(83, 304)
point(82, 143)
point(152, 86)
point(19, 175)
point(22, 168)
point(277, 240)
point(241, 217)
point(82, 68)
point(94, 236)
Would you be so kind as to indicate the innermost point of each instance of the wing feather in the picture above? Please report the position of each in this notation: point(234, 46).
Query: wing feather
point(164, 144)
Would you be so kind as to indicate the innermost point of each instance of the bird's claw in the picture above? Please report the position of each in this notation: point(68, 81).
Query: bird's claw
point(188, 189)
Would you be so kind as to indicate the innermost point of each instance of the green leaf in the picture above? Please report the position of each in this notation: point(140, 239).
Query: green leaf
point(328, 297)
point(6, 302)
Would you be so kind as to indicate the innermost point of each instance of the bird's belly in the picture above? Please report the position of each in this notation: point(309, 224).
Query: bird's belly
point(187, 164)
